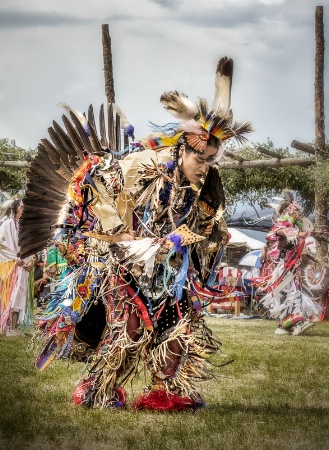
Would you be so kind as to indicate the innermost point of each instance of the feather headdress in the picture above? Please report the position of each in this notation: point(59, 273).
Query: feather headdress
point(287, 203)
point(286, 206)
point(197, 120)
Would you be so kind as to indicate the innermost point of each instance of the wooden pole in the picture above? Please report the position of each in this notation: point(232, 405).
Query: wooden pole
point(321, 155)
point(266, 163)
point(233, 156)
point(237, 306)
point(303, 147)
point(319, 91)
point(15, 164)
point(108, 66)
point(269, 153)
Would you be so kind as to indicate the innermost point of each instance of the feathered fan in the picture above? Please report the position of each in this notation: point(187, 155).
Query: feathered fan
point(51, 172)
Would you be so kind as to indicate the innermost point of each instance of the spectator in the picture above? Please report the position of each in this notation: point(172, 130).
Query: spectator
point(16, 276)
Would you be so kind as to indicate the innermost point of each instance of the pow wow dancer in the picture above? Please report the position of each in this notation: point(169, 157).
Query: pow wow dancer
point(291, 284)
point(142, 234)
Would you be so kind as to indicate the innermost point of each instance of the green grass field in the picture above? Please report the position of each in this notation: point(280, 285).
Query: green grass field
point(275, 395)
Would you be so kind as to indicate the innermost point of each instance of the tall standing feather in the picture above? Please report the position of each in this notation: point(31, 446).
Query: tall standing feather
point(221, 102)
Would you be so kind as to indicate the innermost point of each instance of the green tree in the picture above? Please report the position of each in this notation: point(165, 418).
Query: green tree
point(258, 185)
point(13, 180)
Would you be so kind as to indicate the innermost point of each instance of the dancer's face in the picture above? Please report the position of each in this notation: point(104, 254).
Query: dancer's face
point(19, 211)
point(194, 165)
point(297, 215)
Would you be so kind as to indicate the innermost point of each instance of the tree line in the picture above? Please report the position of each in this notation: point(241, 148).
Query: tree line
point(253, 185)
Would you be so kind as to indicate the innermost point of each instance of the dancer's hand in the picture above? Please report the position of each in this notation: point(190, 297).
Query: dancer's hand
point(44, 280)
point(29, 266)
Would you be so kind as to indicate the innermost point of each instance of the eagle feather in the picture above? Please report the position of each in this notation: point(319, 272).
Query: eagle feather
point(179, 105)
point(221, 102)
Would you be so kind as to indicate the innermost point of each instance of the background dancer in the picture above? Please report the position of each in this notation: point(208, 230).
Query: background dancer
point(16, 276)
point(284, 274)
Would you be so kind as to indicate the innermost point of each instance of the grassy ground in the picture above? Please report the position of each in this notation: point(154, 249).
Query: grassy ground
point(274, 396)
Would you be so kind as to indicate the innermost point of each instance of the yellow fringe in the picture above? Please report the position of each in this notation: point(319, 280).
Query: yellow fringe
point(7, 273)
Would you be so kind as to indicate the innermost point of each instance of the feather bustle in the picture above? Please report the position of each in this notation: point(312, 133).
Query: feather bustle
point(43, 198)
point(46, 172)
point(28, 247)
point(74, 137)
point(48, 155)
point(34, 202)
point(117, 125)
point(102, 128)
point(67, 143)
point(52, 177)
point(41, 181)
point(56, 155)
point(91, 119)
point(111, 127)
point(49, 159)
point(82, 133)
point(52, 152)
point(96, 146)
point(30, 212)
point(35, 221)
point(43, 232)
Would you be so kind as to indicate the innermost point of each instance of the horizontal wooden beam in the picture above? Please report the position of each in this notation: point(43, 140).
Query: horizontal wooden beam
point(15, 164)
point(233, 156)
point(303, 147)
point(269, 152)
point(240, 164)
point(284, 162)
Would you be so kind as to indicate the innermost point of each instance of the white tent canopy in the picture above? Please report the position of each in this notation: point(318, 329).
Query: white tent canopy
point(240, 239)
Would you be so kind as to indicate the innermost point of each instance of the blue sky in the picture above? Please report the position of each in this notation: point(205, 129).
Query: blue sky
point(52, 52)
